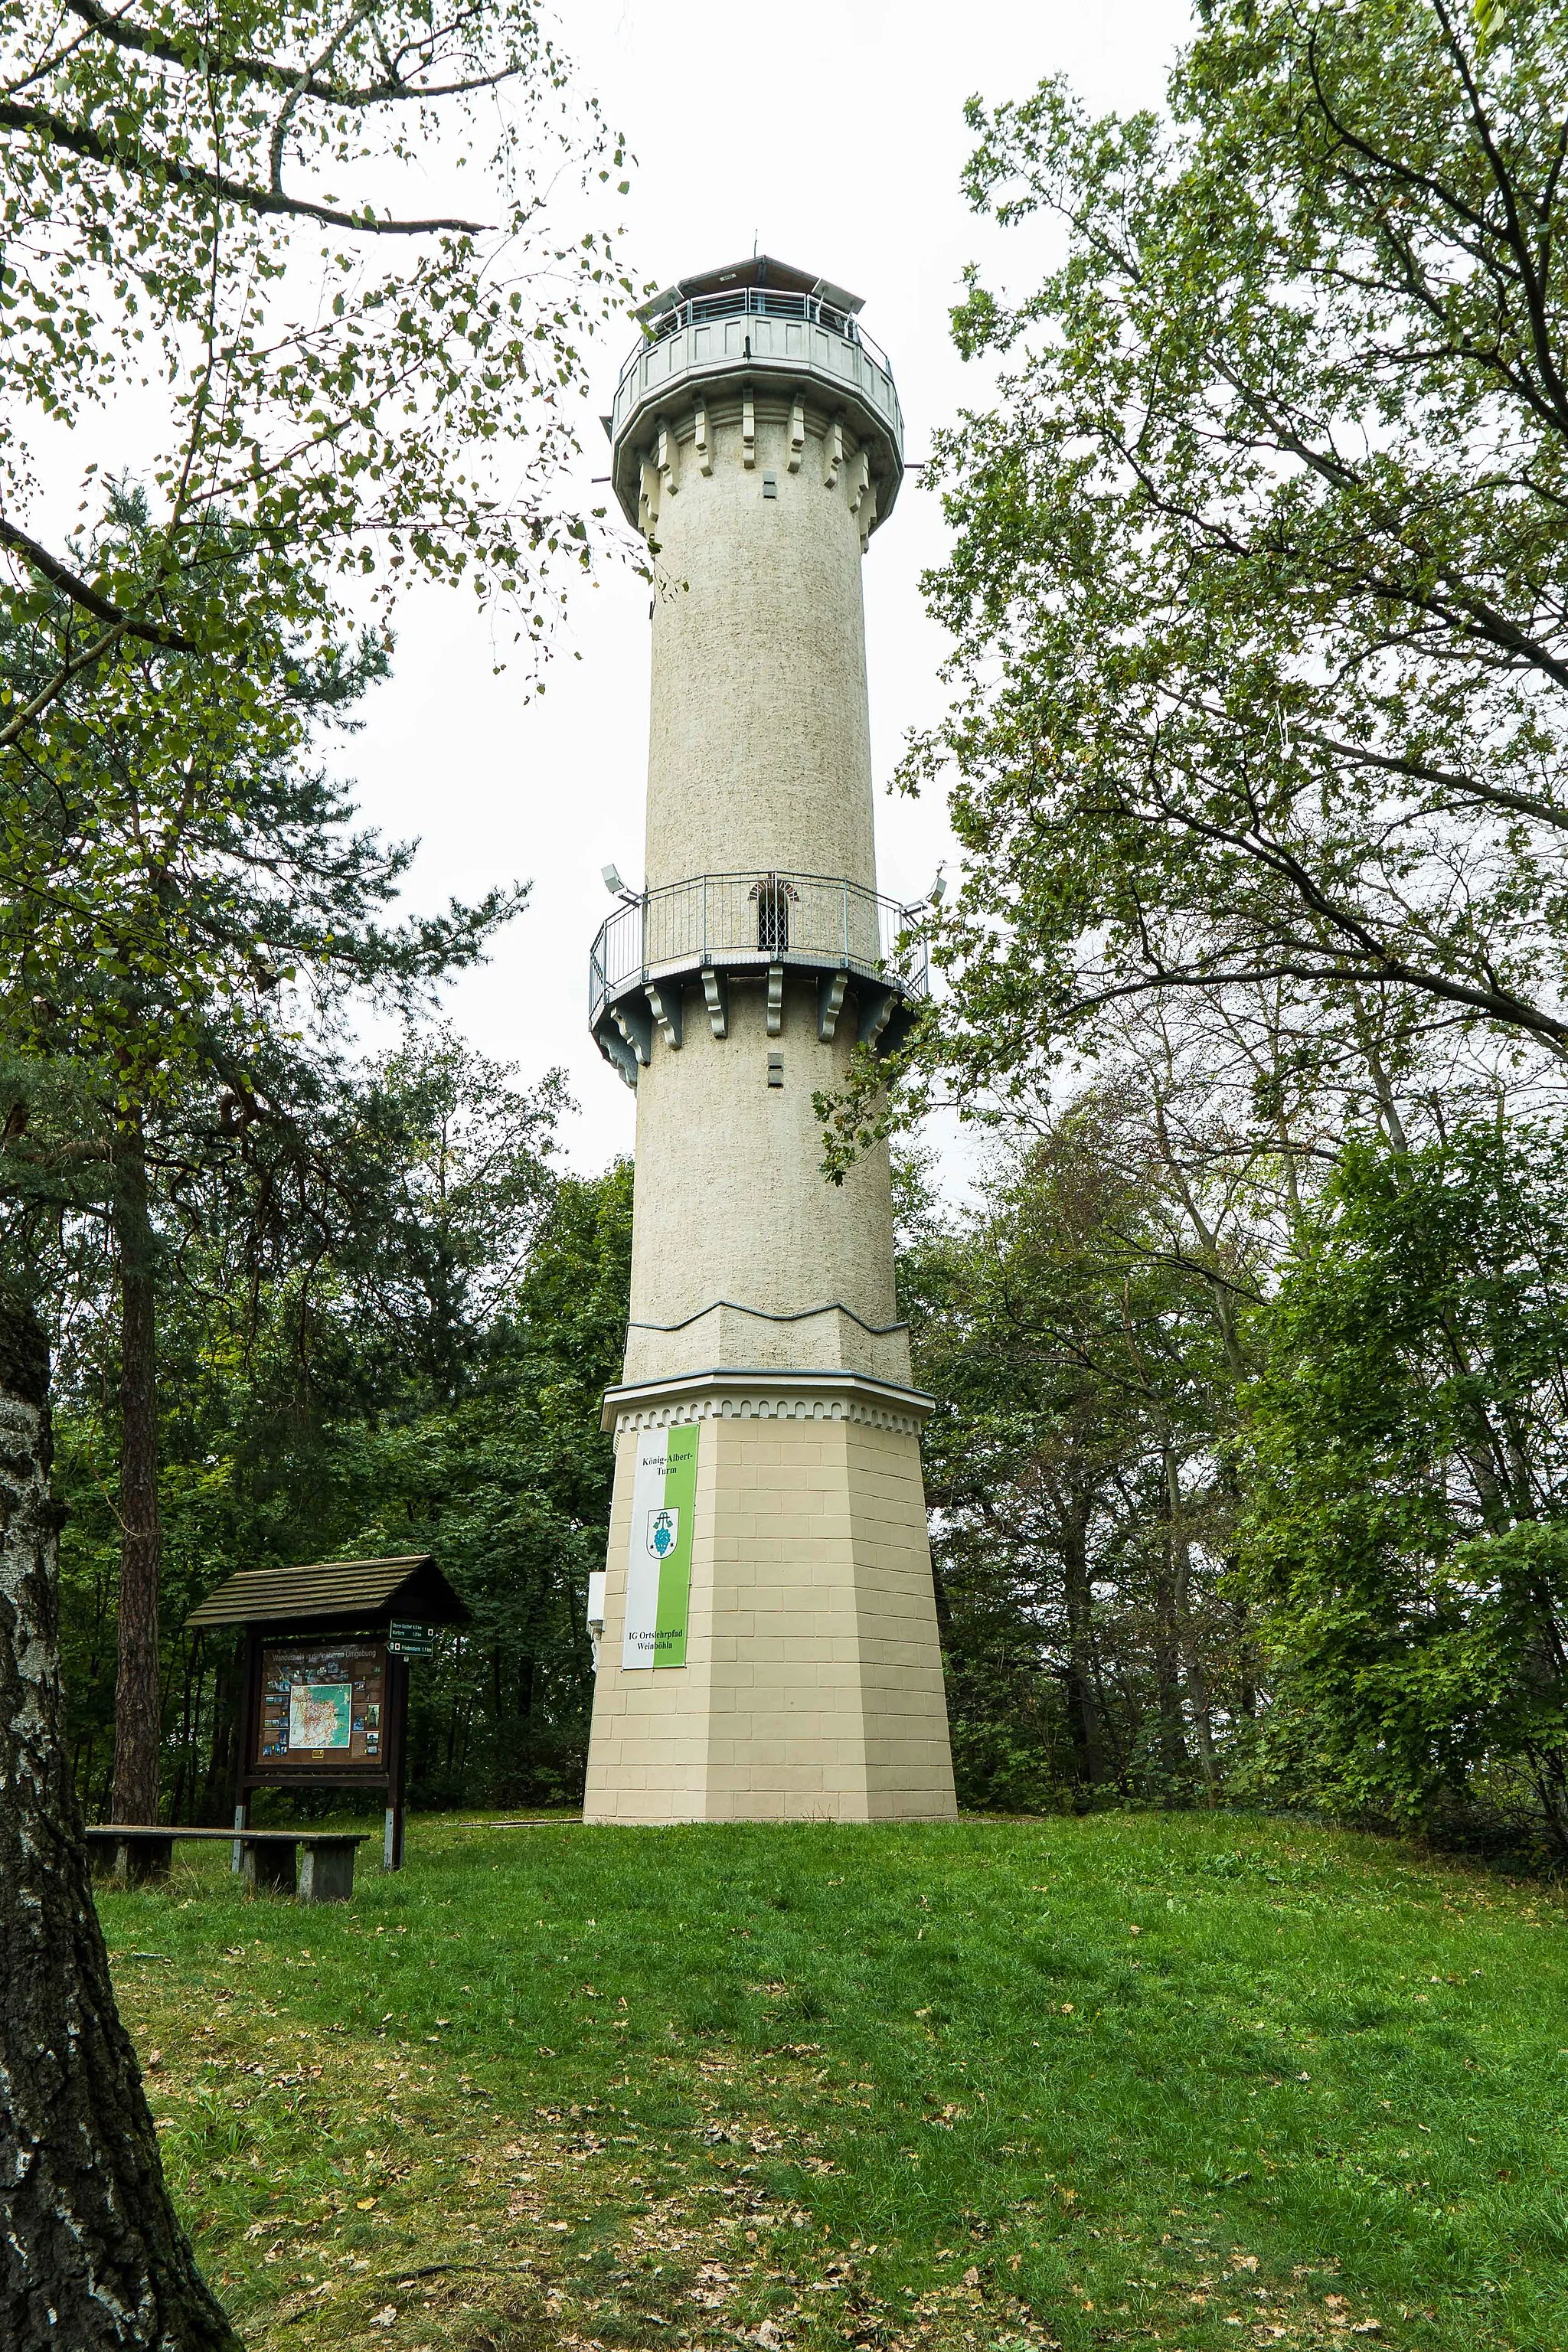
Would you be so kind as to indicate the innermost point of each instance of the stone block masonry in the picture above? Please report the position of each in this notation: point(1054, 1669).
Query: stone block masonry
point(813, 1686)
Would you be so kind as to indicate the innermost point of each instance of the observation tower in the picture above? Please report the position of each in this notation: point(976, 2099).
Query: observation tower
point(768, 1640)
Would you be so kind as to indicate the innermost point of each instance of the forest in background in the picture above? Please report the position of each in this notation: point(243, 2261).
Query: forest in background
point(1183, 1374)
point(436, 1392)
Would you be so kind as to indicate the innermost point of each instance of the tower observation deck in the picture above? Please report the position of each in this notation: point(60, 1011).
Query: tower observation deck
point(757, 444)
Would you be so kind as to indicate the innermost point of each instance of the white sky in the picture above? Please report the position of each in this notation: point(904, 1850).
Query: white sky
point(830, 131)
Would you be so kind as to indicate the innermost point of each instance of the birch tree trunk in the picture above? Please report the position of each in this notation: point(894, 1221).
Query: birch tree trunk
point(92, 2258)
point(1186, 1632)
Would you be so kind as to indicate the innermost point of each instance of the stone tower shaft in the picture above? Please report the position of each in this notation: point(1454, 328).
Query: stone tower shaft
point(757, 444)
point(758, 746)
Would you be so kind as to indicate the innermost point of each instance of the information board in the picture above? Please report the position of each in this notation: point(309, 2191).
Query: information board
point(321, 1708)
point(659, 1563)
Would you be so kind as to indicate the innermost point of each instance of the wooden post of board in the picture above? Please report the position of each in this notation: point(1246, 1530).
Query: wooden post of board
point(398, 1734)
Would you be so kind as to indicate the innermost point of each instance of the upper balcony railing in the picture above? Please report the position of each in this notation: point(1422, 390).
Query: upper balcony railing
point(742, 921)
point(752, 326)
point(762, 303)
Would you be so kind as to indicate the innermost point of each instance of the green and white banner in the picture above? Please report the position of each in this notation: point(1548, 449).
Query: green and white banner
point(659, 1566)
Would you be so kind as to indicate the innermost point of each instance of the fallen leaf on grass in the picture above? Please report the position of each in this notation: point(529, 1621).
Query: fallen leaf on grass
point(385, 2317)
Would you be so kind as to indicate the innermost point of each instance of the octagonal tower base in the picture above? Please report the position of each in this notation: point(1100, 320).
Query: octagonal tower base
point(811, 1687)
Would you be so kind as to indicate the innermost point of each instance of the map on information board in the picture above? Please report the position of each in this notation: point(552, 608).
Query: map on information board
point(322, 1707)
point(320, 1714)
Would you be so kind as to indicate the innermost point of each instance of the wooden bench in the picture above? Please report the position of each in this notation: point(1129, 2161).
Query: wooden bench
point(140, 1852)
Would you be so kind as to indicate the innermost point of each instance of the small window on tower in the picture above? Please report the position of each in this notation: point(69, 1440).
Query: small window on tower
point(772, 896)
point(775, 1069)
point(770, 486)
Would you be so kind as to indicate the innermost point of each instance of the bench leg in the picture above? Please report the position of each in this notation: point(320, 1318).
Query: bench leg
point(327, 1873)
point(144, 1862)
point(270, 1869)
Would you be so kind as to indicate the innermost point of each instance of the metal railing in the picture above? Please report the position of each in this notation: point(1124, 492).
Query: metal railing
point(763, 302)
point(741, 920)
point(786, 335)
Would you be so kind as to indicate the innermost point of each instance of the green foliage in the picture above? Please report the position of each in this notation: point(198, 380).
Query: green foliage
point(415, 1364)
point(1259, 585)
point(310, 423)
point(183, 892)
point(226, 211)
point(510, 1486)
point(1083, 1391)
point(1405, 1532)
point(1258, 591)
point(909, 2085)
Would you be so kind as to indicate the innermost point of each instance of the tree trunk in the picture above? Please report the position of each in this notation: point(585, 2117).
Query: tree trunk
point(92, 2258)
point(1078, 1599)
point(1167, 1679)
point(1188, 1632)
point(216, 1801)
point(137, 1708)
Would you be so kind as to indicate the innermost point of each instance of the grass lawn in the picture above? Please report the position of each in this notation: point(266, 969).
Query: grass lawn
point(1134, 2079)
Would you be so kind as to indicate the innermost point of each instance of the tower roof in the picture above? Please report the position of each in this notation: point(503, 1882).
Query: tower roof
point(760, 269)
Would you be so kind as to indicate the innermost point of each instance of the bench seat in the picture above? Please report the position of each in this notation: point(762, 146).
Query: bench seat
point(140, 1852)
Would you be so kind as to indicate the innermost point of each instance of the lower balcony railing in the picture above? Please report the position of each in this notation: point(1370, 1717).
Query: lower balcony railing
point(716, 925)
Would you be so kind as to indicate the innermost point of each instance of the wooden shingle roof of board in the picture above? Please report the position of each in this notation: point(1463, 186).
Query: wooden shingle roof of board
point(410, 1586)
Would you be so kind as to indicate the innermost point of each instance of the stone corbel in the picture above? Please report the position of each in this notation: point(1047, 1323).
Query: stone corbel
point(666, 458)
point(867, 514)
point(716, 996)
point(666, 1007)
point(701, 439)
point(876, 1011)
point(647, 502)
point(620, 1058)
point(635, 1022)
point(832, 457)
point(830, 991)
point(776, 999)
point(748, 429)
point(796, 436)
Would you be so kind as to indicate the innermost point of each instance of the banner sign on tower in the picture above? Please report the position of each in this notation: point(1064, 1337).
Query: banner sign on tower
point(659, 1563)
